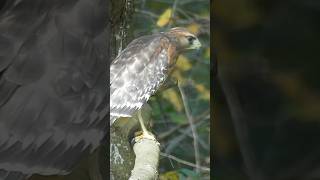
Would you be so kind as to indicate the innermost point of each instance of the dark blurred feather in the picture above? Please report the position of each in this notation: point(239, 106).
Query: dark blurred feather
point(53, 78)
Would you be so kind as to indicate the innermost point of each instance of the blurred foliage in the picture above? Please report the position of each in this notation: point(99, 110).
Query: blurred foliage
point(165, 17)
point(268, 57)
point(170, 122)
point(181, 174)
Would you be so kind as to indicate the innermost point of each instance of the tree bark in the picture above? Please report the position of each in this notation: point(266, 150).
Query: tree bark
point(147, 159)
point(121, 157)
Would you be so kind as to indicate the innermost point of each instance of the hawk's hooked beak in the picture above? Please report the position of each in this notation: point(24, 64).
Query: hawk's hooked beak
point(195, 44)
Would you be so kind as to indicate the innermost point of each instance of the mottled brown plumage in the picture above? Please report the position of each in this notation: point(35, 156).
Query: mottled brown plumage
point(143, 66)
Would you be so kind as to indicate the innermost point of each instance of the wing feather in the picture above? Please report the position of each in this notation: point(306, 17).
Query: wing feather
point(52, 84)
point(136, 74)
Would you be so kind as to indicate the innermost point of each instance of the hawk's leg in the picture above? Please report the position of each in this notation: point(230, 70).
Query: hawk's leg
point(145, 133)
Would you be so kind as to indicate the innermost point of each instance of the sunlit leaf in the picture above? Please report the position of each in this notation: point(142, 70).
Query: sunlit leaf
point(183, 63)
point(173, 97)
point(177, 74)
point(171, 175)
point(194, 28)
point(204, 92)
point(164, 18)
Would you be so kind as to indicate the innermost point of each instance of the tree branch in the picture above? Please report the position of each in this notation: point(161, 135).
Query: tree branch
point(193, 129)
point(147, 160)
point(185, 162)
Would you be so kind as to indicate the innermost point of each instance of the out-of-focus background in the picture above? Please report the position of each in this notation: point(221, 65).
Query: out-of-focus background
point(179, 154)
point(267, 110)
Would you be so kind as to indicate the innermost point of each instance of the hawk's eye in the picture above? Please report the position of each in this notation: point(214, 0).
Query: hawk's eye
point(190, 39)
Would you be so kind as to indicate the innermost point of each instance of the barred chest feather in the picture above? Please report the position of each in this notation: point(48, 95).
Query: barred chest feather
point(138, 81)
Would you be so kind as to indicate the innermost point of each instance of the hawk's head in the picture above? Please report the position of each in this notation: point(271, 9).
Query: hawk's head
point(184, 39)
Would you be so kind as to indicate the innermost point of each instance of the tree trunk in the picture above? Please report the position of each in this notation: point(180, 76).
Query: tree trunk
point(121, 154)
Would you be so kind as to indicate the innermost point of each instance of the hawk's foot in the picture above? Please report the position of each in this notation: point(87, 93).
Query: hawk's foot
point(143, 135)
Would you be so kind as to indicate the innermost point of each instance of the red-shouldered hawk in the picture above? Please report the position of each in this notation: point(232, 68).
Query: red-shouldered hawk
point(143, 66)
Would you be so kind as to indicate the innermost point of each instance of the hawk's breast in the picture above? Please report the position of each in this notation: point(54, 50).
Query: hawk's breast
point(142, 71)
